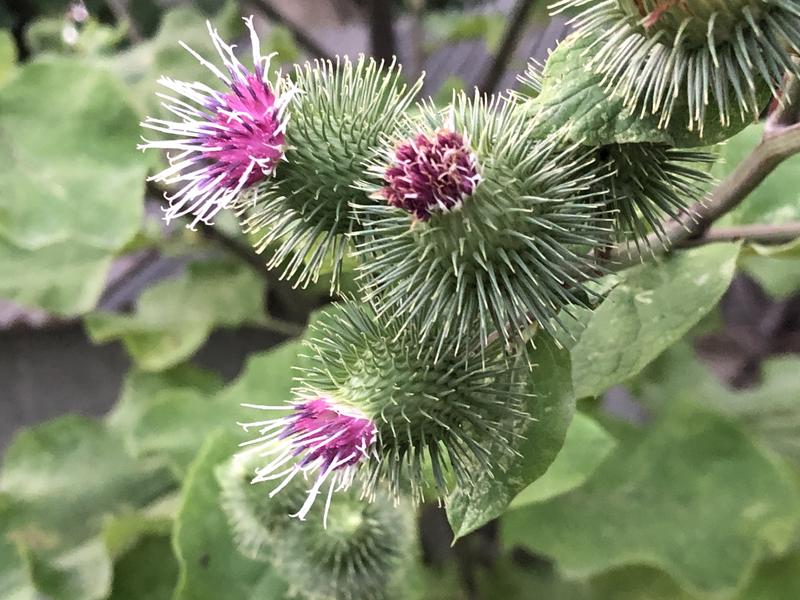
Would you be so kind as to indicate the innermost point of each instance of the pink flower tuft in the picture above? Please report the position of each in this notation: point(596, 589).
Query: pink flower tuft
point(225, 141)
point(317, 437)
point(431, 174)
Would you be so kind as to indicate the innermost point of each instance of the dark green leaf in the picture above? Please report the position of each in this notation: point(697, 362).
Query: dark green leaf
point(691, 486)
point(552, 408)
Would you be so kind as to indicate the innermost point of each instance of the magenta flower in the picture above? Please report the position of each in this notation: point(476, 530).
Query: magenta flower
point(317, 437)
point(431, 173)
point(225, 141)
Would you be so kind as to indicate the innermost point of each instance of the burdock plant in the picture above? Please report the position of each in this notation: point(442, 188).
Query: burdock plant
point(475, 229)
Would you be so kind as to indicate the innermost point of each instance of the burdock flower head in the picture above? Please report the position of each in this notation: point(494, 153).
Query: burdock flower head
point(225, 141)
point(431, 173)
point(318, 437)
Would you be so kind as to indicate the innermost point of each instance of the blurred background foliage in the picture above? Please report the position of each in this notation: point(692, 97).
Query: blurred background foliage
point(680, 474)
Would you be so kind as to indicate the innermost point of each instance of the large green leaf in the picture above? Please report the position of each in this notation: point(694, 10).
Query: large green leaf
point(63, 478)
point(693, 496)
point(174, 318)
point(651, 308)
point(775, 580)
point(552, 408)
point(776, 199)
point(586, 446)
point(69, 168)
point(174, 421)
point(211, 566)
point(72, 183)
point(770, 411)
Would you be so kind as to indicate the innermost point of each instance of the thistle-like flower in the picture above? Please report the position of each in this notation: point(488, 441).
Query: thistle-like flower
point(514, 253)
point(318, 437)
point(339, 115)
point(381, 414)
point(431, 174)
point(675, 56)
point(224, 141)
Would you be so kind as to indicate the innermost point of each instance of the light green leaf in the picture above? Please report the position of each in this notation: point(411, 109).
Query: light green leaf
point(64, 478)
point(691, 486)
point(775, 268)
point(586, 446)
point(175, 421)
point(71, 173)
point(770, 412)
point(636, 583)
point(173, 318)
point(776, 199)
point(552, 407)
point(8, 56)
point(16, 582)
point(65, 278)
point(651, 308)
point(211, 566)
point(141, 389)
point(72, 183)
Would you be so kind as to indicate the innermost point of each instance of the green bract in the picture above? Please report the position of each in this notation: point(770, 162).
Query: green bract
point(362, 551)
point(664, 55)
point(430, 410)
point(338, 115)
point(513, 253)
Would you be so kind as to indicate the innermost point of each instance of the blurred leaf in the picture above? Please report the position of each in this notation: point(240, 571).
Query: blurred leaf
point(452, 84)
point(636, 583)
point(691, 486)
point(507, 580)
point(8, 56)
point(141, 389)
point(586, 446)
point(211, 566)
point(72, 179)
point(770, 411)
point(175, 421)
point(64, 477)
point(778, 579)
point(148, 571)
point(141, 66)
point(776, 199)
point(16, 581)
point(452, 27)
point(651, 308)
point(174, 317)
point(552, 407)
point(64, 278)
point(775, 268)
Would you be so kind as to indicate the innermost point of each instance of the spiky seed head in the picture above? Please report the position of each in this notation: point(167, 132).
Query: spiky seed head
point(362, 552)
point(512, 255)
point(530, 81)
point(431, 173)
point(302, 215)
point(670, 56)
point(433, 413)
point(649, 182)
point(225, 140)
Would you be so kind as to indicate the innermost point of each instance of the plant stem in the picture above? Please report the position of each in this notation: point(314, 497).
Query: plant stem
point(758, 234)
point(781, 140)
